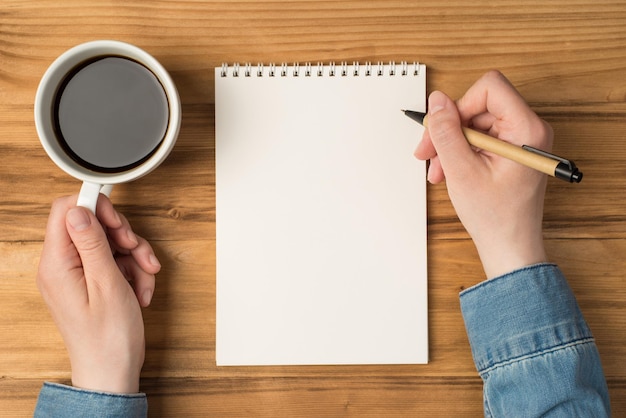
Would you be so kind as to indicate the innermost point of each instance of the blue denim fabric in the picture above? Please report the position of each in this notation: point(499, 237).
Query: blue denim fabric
point(533, 348)
point(530, 342)
point(57, 401)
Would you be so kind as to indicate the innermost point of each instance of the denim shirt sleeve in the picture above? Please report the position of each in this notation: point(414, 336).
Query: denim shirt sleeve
point(533, 348)
point(57, 401)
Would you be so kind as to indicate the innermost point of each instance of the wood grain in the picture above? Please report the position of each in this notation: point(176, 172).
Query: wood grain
point(566, 57)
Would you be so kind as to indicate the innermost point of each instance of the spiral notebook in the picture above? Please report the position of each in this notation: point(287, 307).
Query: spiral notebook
point(320, 215)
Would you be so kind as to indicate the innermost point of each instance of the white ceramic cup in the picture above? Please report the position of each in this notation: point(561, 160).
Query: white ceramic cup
point(96, 182)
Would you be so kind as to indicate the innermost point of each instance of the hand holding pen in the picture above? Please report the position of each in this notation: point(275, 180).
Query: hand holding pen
point(531, 157)
point(499, 201)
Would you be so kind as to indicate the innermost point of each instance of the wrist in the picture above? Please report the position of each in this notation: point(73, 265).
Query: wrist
point(500, 259)
point(108, 386)
point(119, 380)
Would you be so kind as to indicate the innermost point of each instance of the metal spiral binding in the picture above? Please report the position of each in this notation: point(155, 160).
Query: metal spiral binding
point(341, 70)
point(344, 69)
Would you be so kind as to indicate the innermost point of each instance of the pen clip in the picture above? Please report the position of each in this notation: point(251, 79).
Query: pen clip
point(570, 164)
point(565, 170)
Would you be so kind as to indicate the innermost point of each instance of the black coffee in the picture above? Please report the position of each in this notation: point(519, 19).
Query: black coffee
point(111, 114)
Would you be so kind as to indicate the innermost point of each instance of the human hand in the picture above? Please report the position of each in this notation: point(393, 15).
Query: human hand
point(499, 202)
point(94, 274)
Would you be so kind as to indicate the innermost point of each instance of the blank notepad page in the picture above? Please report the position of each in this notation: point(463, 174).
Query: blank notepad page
point(320, 215)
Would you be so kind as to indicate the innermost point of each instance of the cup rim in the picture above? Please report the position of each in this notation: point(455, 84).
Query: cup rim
point(47, 90)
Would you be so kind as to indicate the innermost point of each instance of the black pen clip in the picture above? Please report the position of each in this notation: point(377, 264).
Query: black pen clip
point(565, 170)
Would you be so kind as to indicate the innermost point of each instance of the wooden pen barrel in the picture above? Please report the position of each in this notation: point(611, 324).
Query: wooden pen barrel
point(507, 150)
point(512, 152)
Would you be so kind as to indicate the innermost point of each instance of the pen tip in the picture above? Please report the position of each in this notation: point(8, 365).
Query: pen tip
point(402, 110)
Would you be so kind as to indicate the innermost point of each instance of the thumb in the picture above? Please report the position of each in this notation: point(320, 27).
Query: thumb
point(444, 128)
point(90, 241)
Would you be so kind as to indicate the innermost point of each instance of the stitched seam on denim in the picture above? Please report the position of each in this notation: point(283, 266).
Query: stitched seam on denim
point(504, 276)
point(109, 395)
point(583, 341)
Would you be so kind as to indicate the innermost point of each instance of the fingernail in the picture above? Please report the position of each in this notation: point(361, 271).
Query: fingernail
point(118, 220)
point(132, 237)
point(146, 297)
point(78, 218)
point(436, 102)
point(154, 261)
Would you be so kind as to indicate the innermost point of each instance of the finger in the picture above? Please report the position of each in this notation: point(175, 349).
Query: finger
point(56, 237)
point(106, 213)
point(454, 152)
point(485, 122)
point(93, 248)
point(123, 237)
point(493, 93)
point(510, 116)
point(117, 226)
point(58, 256)
point(435, 171)
point(142, 282)
point(144, 255)
point(425, 149)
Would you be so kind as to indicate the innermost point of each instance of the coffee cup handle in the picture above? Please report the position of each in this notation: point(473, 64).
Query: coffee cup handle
point(89, 192)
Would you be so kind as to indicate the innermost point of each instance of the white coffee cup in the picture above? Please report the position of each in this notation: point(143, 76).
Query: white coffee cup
point(47, 112)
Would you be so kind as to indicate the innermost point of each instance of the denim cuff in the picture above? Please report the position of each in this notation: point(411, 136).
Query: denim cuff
point(519, 314)
point(56, 400)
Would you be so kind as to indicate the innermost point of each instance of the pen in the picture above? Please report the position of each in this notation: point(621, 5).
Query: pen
point(531, 157)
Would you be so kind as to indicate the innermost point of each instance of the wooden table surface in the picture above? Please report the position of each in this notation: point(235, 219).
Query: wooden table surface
point(568, 58)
